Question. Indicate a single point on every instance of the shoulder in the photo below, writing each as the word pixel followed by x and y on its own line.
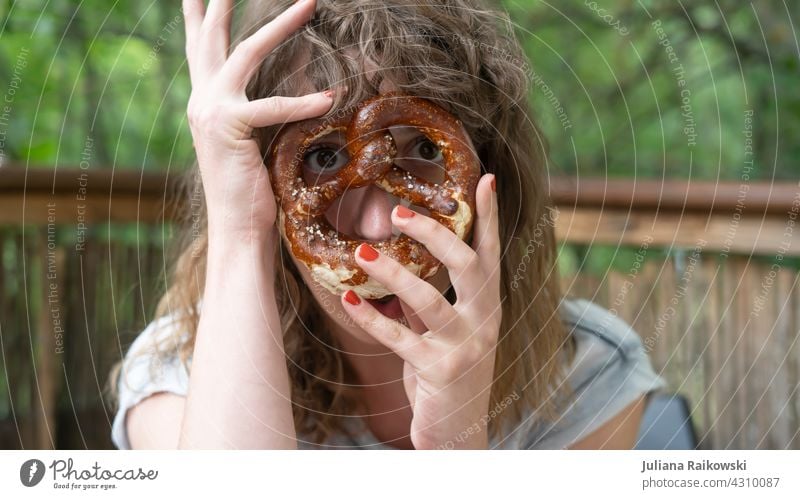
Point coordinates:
pixel 610 370
pixel 601 338
pixel 151 365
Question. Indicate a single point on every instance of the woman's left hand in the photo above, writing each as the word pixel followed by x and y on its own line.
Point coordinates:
pixel 449 369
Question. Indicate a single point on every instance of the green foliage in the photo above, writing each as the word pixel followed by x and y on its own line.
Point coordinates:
pixel 622 94
pixel 112 72
pixel 115 71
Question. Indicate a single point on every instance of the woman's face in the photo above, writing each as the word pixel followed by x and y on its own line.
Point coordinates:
pixel 365 213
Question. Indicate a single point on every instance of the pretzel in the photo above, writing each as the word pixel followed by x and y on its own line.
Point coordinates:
pixel 329 255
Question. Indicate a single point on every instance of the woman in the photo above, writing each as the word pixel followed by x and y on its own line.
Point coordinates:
pixel 485 354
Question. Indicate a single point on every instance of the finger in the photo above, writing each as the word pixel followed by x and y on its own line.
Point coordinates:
pixel 486 239
pixel 193 13
pixel 215 32
pixel 414 322
pixel 248 54
pixel 461 261
pixel 410 383
pixel 274 110
pixel 217 22
pixel 429 304
pixel 407 344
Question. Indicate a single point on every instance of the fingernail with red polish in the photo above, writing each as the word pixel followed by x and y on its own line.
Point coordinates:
pixel 328 93
pixel 367 252
pixel 352 298
pixel 404 212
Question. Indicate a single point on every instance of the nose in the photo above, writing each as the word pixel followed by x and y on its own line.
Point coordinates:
pixel 365 213
pixel 373 219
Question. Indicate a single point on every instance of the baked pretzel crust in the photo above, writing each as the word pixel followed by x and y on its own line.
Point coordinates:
pixel 328 254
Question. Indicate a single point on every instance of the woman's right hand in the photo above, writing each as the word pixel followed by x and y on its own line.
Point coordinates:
pixel 238 194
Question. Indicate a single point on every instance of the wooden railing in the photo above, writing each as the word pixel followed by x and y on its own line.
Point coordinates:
pixel 745 218
pixel 711 296
pixel 748 218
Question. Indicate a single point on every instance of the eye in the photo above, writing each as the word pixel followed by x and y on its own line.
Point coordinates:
pixel 425 149
pixel 325 158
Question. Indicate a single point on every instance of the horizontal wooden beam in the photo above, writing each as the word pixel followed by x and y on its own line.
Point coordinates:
pixel 749 218
pixel 683 196
pixel 713 233
pixel 748 198
pixel 94 181
pixel 66 196
pixel 41 209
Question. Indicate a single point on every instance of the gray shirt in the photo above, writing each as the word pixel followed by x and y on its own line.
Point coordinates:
pixel 610 371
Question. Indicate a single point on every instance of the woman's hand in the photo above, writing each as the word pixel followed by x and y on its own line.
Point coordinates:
pixel 448 369
pixel 238 193
pixel 250 406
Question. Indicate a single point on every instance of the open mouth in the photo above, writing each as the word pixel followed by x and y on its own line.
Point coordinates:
pixel 385 299
pixel 389 306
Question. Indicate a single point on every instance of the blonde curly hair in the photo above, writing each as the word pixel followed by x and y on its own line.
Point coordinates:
pixel 462 55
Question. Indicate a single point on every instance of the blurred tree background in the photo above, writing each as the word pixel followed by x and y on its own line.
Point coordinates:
pixel 605 77
pixel 610 66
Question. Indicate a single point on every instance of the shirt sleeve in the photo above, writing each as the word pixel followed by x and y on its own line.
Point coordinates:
pixel 146 373
pixel 611 370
